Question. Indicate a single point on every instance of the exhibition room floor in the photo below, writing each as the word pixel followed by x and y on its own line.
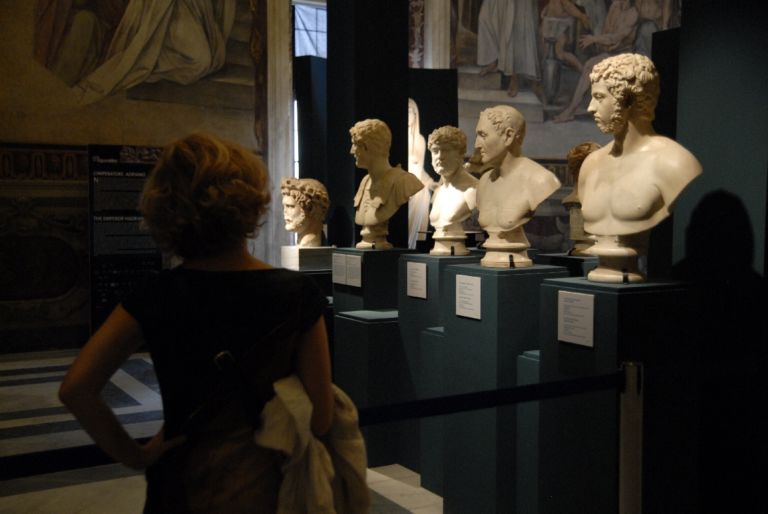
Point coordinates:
pixel 33 420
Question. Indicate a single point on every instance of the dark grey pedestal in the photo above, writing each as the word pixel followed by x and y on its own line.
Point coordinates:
pixel 431 383
pixel 378 281
pixel 482 355
pixel 527 447
pixel 370 365
pixel 577 265
pixel 323 279
pixel 416 314
pixel 648 323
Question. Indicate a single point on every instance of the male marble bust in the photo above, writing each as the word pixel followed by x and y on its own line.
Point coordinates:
pixel 305 204
pixel 509 193
pixel 384 189
pixel 630 185
pixel 455 195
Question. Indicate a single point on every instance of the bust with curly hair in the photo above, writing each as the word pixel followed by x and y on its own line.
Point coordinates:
pixel 305 204
pixel 628 186
pixel 454 198
pixel 384 189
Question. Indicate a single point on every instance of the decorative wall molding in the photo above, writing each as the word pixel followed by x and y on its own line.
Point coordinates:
pixel 44 285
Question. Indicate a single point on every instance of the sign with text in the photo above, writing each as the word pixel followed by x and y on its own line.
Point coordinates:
pixel 416 279
pixel 576 318
pixel 468 297
pixel 347 269
pixel 121 253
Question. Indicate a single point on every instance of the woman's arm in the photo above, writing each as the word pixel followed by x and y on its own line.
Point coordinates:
pixel 106 350
pixel 314 371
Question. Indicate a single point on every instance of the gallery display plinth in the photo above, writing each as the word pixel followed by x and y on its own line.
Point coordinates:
pixel 430 383
pixel 365 279
pixel 491 317
pixel 577 265
pixel 370 365
pixel 588 329
pixel 306 258
pixel 420 295
pixel 527 444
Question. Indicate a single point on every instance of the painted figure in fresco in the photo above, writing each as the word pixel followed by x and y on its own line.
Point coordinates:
pixel 176 40
pixel 384 189
pixel 558 19
pixel 72 36
pixel 654 15
pixel 507 41
pixel 630 185
pixel 455 196
pixel 305 204
pixel 508 195
pixel 617 35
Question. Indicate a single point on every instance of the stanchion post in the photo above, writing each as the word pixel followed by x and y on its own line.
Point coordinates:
pixel 631 440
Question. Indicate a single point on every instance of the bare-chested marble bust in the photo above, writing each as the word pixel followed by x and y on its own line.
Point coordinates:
pixel 509 193
pixel 305 204
pixel 384 189
pixel 455 196
pixel 630 185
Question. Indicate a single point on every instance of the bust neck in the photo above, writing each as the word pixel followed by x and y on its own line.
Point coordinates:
pixel 378 168
pixel 632 137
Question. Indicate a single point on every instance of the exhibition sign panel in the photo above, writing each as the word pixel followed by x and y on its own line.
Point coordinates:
pixel 121 252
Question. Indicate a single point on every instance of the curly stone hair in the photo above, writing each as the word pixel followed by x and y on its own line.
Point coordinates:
pixel 448 136
pixel 631 78
pixel 310 194
pixel 204 196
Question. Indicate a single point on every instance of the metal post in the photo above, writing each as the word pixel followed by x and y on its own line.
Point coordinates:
pixel 631 440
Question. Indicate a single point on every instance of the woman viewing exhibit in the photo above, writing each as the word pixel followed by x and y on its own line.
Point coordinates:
pixel 220 328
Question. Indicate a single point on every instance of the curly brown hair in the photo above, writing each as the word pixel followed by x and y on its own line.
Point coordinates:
pixel 204 196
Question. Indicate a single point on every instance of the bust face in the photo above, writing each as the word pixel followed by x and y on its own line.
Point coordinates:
pixel 361 153
pixel 294 216
pixel 609 115
pixel 446 160
pixel 489 142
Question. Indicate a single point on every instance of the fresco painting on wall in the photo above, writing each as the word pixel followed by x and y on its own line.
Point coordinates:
pixel 85 72
pixel 144 57
pixel 536 56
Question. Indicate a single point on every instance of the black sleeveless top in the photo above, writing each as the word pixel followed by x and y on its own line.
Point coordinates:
pixel 189 316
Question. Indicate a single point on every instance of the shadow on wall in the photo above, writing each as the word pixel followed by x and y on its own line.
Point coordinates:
pixel 731 354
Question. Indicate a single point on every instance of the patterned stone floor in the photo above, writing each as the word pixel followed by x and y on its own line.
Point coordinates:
pixel 32 420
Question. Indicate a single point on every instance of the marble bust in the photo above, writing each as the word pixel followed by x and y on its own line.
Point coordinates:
pixel 630 185
pixel 305 204
pixel 509 193
pixel 455 195
pixel 581 240
pixel 384 189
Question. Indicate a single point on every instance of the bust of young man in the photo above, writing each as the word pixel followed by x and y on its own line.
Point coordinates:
pixel 509 193
pixel 455 196
pixel 628 186
pixel 384 189
pixel 305 204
